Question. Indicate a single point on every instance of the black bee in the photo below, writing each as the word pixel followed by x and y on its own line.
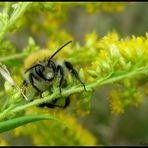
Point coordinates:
pixel 41 71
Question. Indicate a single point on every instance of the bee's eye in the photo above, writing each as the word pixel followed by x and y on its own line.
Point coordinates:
pixel 39 70
pixel 52 65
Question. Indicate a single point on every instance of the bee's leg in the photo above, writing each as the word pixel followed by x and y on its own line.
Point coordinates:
pixel 50 105
pixel 61 70
pixel 23 85
pixel 67 102
pixel 52 65
pixel 31 76
pixel 74 72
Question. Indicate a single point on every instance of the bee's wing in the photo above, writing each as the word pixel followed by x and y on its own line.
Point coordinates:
pixel 5 73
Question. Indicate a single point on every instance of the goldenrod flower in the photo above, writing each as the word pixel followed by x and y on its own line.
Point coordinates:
pixel 138 98
pixel 116 104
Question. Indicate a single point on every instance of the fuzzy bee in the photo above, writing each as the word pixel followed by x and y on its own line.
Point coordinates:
pixel 41 71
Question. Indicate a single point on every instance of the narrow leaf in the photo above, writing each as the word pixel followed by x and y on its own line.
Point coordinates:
pixel 16 122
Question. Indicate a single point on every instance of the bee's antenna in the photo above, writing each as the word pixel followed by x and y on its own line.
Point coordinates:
pixel 59 49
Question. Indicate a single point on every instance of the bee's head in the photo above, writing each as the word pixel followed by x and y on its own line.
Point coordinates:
pixel 41 56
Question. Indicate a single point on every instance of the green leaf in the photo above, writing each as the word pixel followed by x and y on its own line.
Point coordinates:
pixel 16 122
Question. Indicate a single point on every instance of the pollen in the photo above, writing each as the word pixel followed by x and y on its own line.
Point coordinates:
pixel 36 57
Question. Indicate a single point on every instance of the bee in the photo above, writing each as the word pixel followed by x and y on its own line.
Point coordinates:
pixel 41 71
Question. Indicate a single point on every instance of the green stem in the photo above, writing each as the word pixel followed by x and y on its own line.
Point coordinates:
pixel 78 89
pixel 15 56
pixel 7 7
pixel 14 17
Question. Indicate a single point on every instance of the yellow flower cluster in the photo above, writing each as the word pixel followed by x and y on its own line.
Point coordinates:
pixel 116 104
pixel 137 98
pixel 56 133
pixel 105 6
pixel 81 133
pixel 121 54
pixel 3 142
pixel 121 99
pixel 91 39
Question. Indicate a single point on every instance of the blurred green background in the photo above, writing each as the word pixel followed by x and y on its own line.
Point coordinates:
pixel 131 127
